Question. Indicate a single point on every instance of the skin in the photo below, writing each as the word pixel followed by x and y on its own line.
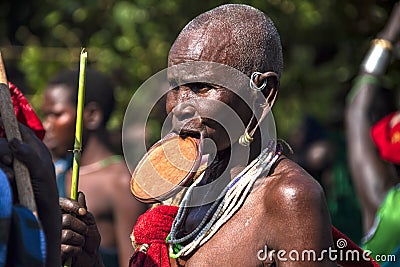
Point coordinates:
pixel 107 190
pixel 79 236
pixel 286 210
pixel 58 121
pixel 107 193
pixel 372 176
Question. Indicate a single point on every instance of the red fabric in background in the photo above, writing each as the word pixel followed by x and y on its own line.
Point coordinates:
pixel 348 245
pixel 387 139
pixel 24 112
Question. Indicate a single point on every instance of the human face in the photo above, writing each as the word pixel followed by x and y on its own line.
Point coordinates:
pixel 59 120
pixel 199 107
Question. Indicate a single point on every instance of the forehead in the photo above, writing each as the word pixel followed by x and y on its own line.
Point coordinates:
pixel 58 94
pixel 206 43
pixel 204 54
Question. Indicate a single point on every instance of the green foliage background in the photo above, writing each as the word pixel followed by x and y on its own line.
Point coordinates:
pixel 324 43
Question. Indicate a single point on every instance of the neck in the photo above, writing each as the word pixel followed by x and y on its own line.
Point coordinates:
pixel 229 162
pixel 94 151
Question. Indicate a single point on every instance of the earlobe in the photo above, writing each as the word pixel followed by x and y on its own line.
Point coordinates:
pixel 271 90
pixel 270 94
pixel 267 83
pixel 93 116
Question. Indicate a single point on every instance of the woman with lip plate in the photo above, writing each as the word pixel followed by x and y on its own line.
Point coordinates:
pixel 256 201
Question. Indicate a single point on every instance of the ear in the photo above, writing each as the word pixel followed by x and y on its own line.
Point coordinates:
pixel 268 83
pixel 93 116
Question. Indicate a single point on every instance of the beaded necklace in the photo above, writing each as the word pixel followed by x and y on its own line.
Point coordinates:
pixel 228 202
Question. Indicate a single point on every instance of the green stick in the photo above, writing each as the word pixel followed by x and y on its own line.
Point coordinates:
pixel 78 132
pixel 78 129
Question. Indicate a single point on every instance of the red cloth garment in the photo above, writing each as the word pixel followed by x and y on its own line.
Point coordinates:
pixel 24 112
pixel 387 139
pixel 342 242
pixel 152 228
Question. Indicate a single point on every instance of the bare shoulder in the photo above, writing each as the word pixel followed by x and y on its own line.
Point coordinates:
pixel 290 188
pixel 294 206
pixel 119 174
pixel 120 168
pixel 120 187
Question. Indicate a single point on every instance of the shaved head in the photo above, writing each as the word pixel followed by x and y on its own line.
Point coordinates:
pixel 236 35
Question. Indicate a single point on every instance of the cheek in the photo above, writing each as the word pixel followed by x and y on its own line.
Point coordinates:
pixel 65 126
pixel 170 102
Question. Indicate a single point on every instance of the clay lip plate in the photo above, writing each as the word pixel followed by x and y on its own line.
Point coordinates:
pixel 166 168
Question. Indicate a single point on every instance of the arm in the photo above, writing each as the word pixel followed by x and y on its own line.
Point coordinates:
pixel 126 210
pixel 300 219
pixel 372 176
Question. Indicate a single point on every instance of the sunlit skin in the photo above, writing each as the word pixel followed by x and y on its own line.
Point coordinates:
pixel 285 211
pixel 58 121
pixel 192 115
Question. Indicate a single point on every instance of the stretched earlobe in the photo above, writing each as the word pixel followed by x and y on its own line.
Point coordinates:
pixel 267 83
pixel 272 93
pixel 259 81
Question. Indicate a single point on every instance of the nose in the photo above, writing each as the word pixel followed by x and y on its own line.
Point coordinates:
pixel 184 111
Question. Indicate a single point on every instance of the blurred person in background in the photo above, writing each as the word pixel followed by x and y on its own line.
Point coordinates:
pixel 374 148
pixel 103 177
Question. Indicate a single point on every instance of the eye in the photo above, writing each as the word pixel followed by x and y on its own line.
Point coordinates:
pixel 200 88
pixel 52 114
pixel 173 86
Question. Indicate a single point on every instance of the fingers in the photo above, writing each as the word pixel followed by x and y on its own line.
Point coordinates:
pixel 88 219
pixel 69 237
pixel 73 223
pixel 68 251
pixel 73 236
pixel 80 235
pixel 78 208
pixel 72 206
pixel 82 200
